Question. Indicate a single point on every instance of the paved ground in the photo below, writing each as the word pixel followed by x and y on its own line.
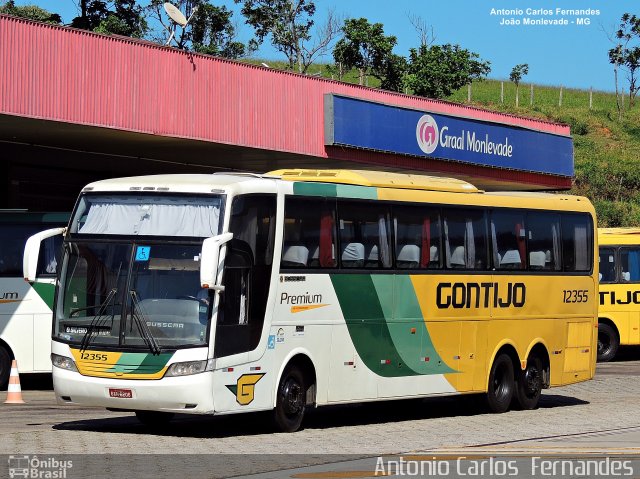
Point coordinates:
pixel 596 417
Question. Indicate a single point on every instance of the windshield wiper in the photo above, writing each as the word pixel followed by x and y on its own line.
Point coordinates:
pixel 138 316
pixel 98 320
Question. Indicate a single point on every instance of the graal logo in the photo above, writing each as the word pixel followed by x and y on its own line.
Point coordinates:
pixel 50 467
pixel 427 134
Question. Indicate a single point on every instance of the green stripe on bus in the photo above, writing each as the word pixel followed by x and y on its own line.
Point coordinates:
pixel 367 326
pixel 140 363
pixel 331 190
pixel 407 328
pixel 46 291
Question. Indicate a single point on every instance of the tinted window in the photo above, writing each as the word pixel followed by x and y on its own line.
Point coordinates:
pixel 577 242
pixel 465 239
pixel 629 265
pixel 364 235
pixel 309 233
pixel 417 237
pixel 607 265
pixel 543 241
pixel 508 233
pixel 12 241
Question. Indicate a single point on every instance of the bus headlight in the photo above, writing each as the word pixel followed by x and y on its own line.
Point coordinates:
pixel 63 362
pixel 187 368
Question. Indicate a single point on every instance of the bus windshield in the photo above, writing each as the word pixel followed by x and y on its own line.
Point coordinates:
pixel 132 295
pixel 130 273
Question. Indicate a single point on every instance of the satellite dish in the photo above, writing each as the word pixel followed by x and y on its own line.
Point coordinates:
pixel 175 14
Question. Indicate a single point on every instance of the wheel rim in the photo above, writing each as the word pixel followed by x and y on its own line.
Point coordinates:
pixel 292 403
pixel 532 381
pixel 500 384
pixel 604 344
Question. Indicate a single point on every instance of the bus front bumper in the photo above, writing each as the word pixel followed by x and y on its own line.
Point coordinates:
pixel 191 394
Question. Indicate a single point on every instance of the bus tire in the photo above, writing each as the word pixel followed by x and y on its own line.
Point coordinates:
pixel 608 342
pixel 5 367
pixel 501 384
pixel 154 418
pixel 529 384
pixel 290 400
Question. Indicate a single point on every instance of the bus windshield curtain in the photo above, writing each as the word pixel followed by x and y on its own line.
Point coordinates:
pixel 154 219
pixel 425 249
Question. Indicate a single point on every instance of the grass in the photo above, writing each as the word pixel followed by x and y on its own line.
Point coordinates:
pixel 606 149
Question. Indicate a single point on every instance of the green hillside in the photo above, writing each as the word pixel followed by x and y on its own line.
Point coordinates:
pixel 607 150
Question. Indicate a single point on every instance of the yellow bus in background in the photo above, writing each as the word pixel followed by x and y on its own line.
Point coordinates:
pixel 619 314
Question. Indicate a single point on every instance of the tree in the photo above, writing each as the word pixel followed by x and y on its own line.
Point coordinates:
pixel 210 30
pixel 516 76
pixel 120 17
pixel 366 48
pixel 626 54
pixel 30 12
pixel 436 71
pixel 289 24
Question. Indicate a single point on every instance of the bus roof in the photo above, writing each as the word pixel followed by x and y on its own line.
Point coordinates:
pixel 618 236
pixel 380 179
pixel 618 231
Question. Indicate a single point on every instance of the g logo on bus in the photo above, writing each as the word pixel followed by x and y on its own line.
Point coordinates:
pixel 244 388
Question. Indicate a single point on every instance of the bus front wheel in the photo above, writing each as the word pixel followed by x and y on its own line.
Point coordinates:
pixel 501 384
pixel 290 400
pixel 5 367
pixel 608 342
pixel 529 384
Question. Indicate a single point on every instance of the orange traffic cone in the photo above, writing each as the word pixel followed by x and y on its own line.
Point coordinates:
pixel 14 391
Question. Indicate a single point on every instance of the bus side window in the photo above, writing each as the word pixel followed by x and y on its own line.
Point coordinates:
pixel 465 238
pixel 607 265
pixel 629 265
pixel 508 239
pixel 309 233
pixel 417 237
pixel 543 241
pixel 365 235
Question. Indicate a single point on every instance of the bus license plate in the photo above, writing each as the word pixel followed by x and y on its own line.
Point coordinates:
pixel 121 393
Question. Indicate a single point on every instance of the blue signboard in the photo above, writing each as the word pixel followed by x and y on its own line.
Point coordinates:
pixel 363 124
pixel 142 253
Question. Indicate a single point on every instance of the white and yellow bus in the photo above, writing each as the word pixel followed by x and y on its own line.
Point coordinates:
pixel 25 310
pixel 226 293
pixel 619 313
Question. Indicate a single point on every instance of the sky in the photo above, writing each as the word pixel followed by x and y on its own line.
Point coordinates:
pixel 573 55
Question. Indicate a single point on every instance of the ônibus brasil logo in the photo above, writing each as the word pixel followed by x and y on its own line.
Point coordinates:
pixel 427 134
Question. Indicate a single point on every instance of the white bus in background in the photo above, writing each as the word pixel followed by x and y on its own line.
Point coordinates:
pixel 25 310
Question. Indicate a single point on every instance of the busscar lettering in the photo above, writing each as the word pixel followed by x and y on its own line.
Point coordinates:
pixel 305 298
pixel 480 295
pixel 609 297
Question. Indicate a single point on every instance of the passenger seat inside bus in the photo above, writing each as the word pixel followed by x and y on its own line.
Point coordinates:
pixel 511 260
pixel 457 258
pixel 408 256
pixel 353 255
pixel 537 259
pixel 295 255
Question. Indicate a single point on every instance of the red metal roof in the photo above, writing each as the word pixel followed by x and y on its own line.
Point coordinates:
pixel 63 74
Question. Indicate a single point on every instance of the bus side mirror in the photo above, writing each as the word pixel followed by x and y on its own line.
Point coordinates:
pixel 210 259
pixel 32 251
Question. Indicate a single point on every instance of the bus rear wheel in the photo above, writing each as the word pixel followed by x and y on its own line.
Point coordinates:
pixel 501 384
pixel 5 367
pixel 290 400
pixel 608 342
pixel 154 418
pixel 529 384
